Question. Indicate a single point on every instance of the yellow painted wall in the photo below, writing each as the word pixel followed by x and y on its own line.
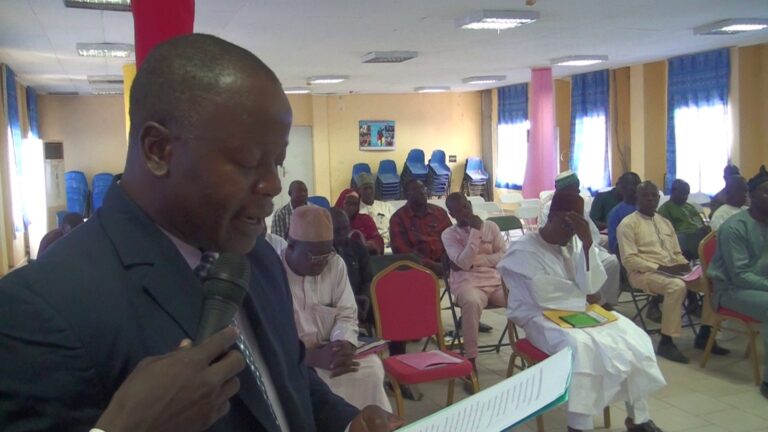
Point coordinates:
pixel 752 101
pixel 92 129
pixel 449 121
pixel 655 109
pixel 302 109
pixel 620 122
pixel 563 121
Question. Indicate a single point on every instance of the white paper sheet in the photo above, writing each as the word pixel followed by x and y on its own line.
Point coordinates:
pixel 506 403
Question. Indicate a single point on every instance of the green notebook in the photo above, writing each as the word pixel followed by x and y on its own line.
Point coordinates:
pixel 580 320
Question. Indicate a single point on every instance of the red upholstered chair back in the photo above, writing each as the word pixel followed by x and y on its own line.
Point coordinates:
pixel 707 249
pixel 406 303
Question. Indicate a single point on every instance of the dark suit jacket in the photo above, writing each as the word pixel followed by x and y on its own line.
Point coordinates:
pixel 76 322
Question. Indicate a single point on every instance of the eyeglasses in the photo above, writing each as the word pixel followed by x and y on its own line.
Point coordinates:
pixel 319 259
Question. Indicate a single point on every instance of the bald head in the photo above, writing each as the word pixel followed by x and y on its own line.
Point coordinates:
pixel 209 127
pixel 181 77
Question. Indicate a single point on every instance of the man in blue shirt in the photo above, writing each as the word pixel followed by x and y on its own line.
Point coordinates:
pixel 627 185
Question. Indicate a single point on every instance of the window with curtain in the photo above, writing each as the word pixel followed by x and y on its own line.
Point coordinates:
pixel 699 135
pixel 590 158
pixel 512 136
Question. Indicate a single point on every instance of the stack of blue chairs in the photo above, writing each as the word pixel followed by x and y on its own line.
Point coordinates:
pixel 475 182
pixel 100 185
pixel 358 169
pixel 77 192
pixel 439 177
pixel 387 181
pixel 414 167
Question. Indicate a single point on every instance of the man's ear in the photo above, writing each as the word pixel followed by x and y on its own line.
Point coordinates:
pixel 156 149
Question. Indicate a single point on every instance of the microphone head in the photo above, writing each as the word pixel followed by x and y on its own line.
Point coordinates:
pixel 228 278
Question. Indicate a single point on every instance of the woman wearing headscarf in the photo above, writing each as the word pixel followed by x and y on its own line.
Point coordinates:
pixel 349 201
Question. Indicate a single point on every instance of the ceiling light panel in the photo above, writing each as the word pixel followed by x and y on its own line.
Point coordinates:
pixel 389 56
pixel 105 79
pixel 432 89
pixel 732 26
pixel 496 19
pixel 326 79
pixel 108 5
pixel 484 79
pixel 103 91
pixel 296 90
pixel 579 60
pixel 118 50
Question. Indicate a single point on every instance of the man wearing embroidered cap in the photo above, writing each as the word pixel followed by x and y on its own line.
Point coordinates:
pixel 739 268
pixel 557 268
pixel 325 311
pixel 568 181
pixel 380 211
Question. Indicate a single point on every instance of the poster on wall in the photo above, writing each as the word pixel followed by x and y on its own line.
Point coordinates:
pixel 377 135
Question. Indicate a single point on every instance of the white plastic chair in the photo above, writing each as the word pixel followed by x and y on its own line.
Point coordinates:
pixel 476 199
pixel 511 198
pixel 529 215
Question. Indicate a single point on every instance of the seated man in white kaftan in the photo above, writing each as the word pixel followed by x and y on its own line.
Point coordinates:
pixel 558 268
pixel 325 311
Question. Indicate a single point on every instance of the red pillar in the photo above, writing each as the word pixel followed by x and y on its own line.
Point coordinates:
pixel 155 21
pixel 541 169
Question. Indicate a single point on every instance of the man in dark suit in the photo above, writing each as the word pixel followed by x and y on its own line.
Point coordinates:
pixel 90 333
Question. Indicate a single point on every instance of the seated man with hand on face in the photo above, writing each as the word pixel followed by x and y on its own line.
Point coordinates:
pixel 474 248
pixel 557 268
pixel 651 254
pixel 325 311
pixel 569 182
pixel 685 219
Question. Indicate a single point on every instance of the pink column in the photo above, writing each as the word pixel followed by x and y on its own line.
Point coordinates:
pixel 157 21
pixel 541 169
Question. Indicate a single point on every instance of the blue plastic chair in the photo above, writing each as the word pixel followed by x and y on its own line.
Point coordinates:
pixel 476 169
pixel 414 162
pixel 319 201
pixel 358 169
pixel 437 163
pixel 387 181
pixel 100 185
pixel 77 192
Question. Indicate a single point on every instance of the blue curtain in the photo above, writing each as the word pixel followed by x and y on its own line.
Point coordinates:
pixel 589 98
pixel 12 107
pixel 513 108
pixel 32 112
pixel 694 80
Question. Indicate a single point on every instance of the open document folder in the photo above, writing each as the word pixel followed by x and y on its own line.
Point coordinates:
pixel 507 404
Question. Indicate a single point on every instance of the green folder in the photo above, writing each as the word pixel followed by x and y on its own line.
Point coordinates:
pixel 580 320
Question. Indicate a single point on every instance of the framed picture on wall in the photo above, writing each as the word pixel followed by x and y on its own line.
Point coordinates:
pixel 377 135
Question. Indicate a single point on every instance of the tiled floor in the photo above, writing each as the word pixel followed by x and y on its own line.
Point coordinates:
pixel 720 398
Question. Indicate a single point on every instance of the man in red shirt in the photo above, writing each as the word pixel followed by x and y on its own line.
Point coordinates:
pixel 417 226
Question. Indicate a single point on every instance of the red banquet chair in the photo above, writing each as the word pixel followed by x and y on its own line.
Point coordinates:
pixel 406 307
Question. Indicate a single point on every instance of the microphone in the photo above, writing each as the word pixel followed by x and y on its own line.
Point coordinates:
pixel 224 289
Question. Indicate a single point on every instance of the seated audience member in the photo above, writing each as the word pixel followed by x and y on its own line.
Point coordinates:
pixel 416 227
pixel 685 219
pixel 649 246
pixel 361 224
pixel 325 312
pixel 68 223
pixel 281 221
pixel 355 257
pixel 735 198
pixel 380 211
pixel 739 269
pixel 627 184
pixel 558 268
pixel 719 198
pixel 569 182
pixel 474 248
pixel 602 205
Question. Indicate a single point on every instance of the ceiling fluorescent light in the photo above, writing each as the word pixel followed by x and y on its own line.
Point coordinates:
pixel 105 79
pixel 389 56
pixel 108 5
pixel 326 79
pixel 296 90
pixel 120 50
pixel 732 26
pixel 496 19
pixel 579 60
pixel 107 91
pixel 432 89
pixel 487 79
